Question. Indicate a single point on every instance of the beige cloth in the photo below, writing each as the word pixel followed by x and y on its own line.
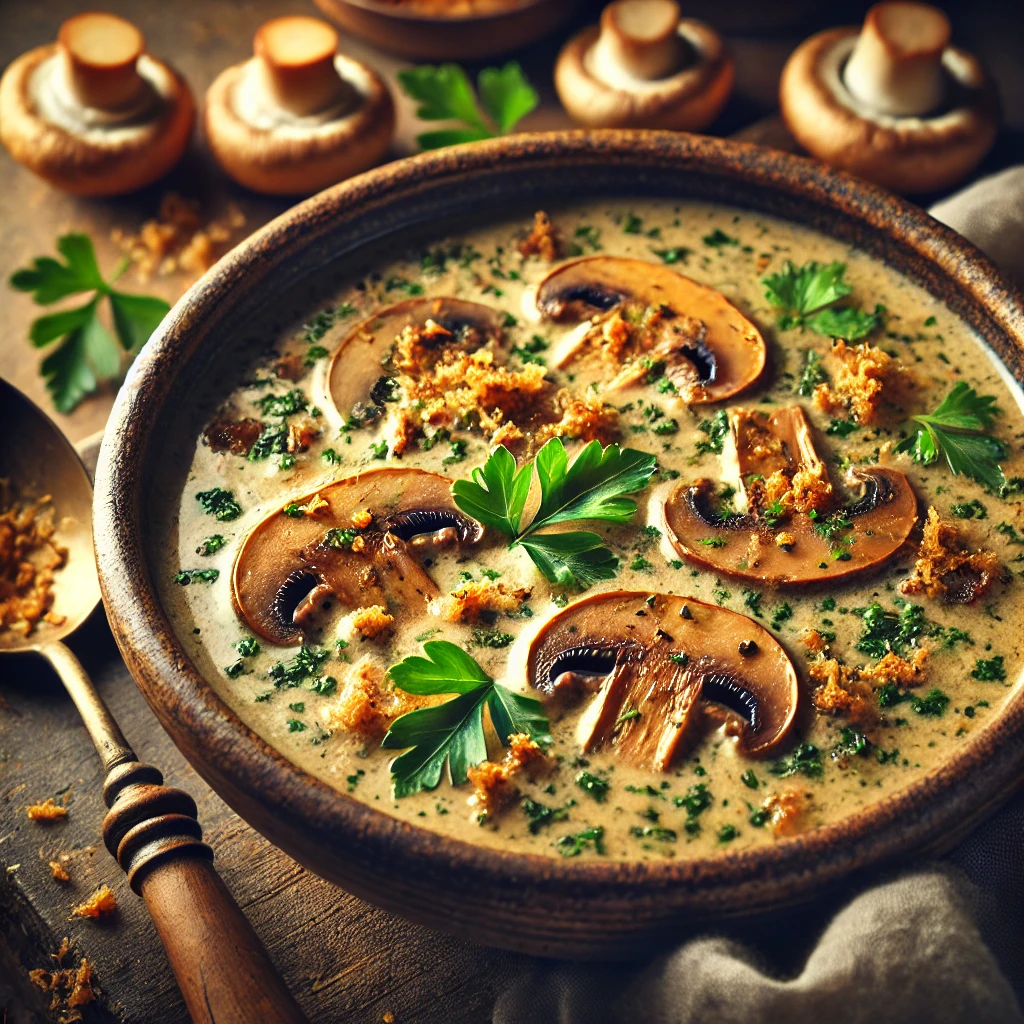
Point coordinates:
pixel 944 943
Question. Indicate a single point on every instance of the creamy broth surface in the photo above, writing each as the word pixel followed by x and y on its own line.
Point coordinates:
pixel 644 814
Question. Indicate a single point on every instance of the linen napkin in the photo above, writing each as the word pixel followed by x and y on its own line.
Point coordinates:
pixel 941 943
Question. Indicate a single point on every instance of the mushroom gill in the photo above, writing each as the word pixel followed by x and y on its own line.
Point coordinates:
pixel 792 527
pixel 293 561
pixel 656 662
pixel 644 315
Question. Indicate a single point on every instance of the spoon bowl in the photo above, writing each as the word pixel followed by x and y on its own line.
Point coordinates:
pixel 42 462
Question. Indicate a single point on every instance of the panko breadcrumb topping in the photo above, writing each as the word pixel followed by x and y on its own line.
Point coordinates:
pixel 372 621
pixel 29 557
pixel 99 904
pixel 788 811
pixel 863 374
pixel 849 691
pixel 492 783
pixel 48 810
pixel 543 239
pixel 471 600
pixel 947 568
pixel 365 705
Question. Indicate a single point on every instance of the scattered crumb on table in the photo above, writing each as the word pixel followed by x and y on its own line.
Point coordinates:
pixel 99 904
pixel 48 810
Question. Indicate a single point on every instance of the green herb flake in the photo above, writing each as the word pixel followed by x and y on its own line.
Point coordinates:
pixel 574 845
pixel 220 504
pixel 594 785
pixel 211 545
pixel 989 670
pixel 805 760
pixel 187 576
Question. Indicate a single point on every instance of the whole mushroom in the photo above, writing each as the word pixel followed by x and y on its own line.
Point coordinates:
pixel 891 101
pixel 93 113
pixel 645 66
pixel 297 116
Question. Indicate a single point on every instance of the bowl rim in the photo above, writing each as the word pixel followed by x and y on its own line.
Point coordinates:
pixel 233 757
pixel 385 11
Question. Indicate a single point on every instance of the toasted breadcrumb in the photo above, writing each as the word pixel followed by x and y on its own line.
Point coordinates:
pixel 29 557
pixel 471 599
pixel 788 810
pixel 176 239
pixel 543 239
pixel 48 810
pixel 99 904
pixel 945 566
pixel 813 641
pixel 785 540
pixel 840 691
pixel 372 621
pixel 362 519
pixel 894 669
pixel 315 506
pixel 301 435
pixel 864 373
pixel 59 872
pixel 584 417
pixel 364 704
pixel 492 783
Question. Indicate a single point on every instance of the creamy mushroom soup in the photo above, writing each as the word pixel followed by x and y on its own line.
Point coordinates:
pixel 613 534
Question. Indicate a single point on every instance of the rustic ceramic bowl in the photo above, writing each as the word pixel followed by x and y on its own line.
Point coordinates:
pixel 583 907
pixel 409 33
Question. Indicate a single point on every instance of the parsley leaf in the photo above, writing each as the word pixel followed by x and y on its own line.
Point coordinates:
pixel 592 487
pixel 444 93
pixel 87 352
pixel 449 738
pixel 957 430
pixel 803 293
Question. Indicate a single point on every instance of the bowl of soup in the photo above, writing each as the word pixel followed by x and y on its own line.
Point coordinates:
pixel 563 539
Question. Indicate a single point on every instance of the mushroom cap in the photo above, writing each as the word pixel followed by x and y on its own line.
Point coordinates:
pixel 79 149
pixel 688 100
pixel 606 632
pixel 740 547
pixel 271 151
pixel 903 153
pixel 577 290
pixel 283 559
pixel 358 362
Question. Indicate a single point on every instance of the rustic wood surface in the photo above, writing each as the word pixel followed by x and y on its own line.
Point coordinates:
pixel 342 959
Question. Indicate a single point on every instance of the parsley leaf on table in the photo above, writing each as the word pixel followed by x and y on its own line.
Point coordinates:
pixel 450 738
pixel 957 430
pixel 88 352
pixel 806 294
pixel 444 93
pixel 592 487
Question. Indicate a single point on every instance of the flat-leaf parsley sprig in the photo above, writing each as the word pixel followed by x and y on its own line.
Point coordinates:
pixel 87 352
pixel 806 294
pixel 444 93
pixel 594 486
pixel 450 738
pixel 958 430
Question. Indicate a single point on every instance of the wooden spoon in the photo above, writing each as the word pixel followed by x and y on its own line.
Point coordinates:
pixel 225 974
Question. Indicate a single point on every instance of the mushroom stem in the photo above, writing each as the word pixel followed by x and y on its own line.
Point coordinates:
pixel 99 54
pixel 896 64
pixel 641 37
pixel 295 57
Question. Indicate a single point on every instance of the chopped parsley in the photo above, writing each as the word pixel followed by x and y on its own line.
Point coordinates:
pixel 220 504
pixel 491 638
pixel 574 845
pixel 306 664
pixel 716 429
pixel 989 670
pixel 539 815
pixel 187 576
pixel 593 784
pixel 805 760
pixel 211 545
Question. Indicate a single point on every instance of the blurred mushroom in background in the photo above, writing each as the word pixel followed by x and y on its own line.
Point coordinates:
pixel 93 113
pixel 892 101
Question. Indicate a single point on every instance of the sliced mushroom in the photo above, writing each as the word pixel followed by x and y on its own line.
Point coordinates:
pixel 658 661
pixel 363 358
pixel 892 101
pixel 288 566
pixel 806 538
pixel 708 349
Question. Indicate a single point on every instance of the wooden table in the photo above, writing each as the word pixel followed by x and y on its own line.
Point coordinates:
pixel 342 959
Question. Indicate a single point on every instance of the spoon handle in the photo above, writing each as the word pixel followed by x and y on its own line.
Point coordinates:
pixel 222 969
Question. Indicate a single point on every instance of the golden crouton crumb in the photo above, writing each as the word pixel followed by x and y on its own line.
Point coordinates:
pixel 840 691
pixel 362 519
pixel 29 557
pixel 59 872
pixel 372 620
pixel 388 1018
pixel 470 600
pixel 301 435
pixel 584 417
pixel 788 491
pixel 945 567
pixel 543 240
pixel 315 506
pixel 864 372
pixel 48 810
pixel 813 640
pixel 364 704
pixel 492 783
pixel 99 904
pixel 788 810
pixel 894 669
pixel 785 540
